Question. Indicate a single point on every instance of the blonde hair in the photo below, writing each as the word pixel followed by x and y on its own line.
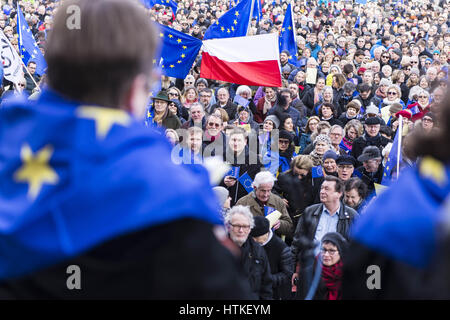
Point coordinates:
pixel 302 162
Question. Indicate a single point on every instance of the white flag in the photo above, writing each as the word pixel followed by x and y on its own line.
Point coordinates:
pixel 12 67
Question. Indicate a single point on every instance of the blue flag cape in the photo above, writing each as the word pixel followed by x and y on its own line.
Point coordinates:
pixel 405 230
pixel 107 186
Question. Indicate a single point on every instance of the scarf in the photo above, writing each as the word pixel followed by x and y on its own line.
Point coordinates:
pixel 268 104
pixel 332 277
pixel 316 159
pixel 380 94
pixel 347 144
pixel 387 102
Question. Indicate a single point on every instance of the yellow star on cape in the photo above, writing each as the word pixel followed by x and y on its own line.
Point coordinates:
pixel 161 34
pixel 184 47
pixel 104 118
pixel 236 13
pixel 235 22
pixel 170 36
pixel 283 30
pixel 434 169
pixel 222 28
pixel 179 40
pixel 35 169
pixel 183 55
pixel 172 66
pixel 289 28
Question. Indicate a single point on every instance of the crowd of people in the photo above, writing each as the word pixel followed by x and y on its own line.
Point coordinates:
pixel 315 149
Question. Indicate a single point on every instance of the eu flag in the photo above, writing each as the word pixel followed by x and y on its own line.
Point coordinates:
pixel 234 172
pixel 361 1
pixel 28 47
pixel 287 36
pixel 391 163
pixel 358 22
pixel 246 182
pixel 257 11
pixel 50 211
pixel 234 22
pixel 178 52
pixel 168 3
pixel 317 172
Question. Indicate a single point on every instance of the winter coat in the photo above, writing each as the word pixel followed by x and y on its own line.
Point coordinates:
pixel 256 266
pixel 360 143
pixel 275 202
pixel 311 217
pixel 281 265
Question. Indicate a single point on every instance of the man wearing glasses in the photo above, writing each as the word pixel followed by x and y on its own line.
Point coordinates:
pixel 239 222
pixel 205 99
pixel 214 140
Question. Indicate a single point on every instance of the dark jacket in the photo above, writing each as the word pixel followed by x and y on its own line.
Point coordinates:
pixel 171 122
pixel 248 162
pixel 230 108
pixel 312 215
pixel 30 84
pixel 360 143
pixel 370 179
pixel 298 193
pixel 256 266
pixel 281 266
pixel 176 260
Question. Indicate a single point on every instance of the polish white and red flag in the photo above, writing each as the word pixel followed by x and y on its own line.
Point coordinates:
pixel 250 60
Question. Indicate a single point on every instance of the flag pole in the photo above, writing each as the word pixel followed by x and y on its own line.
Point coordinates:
pixel 399 148
pixel 32 78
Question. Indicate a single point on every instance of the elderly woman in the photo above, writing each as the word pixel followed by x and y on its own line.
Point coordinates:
pixel 394 95
pixel 352 130
pixel 327 96
pixel 355 193
pixel 421 107
pixel 246 93
pixel 332 251
pixel 322 144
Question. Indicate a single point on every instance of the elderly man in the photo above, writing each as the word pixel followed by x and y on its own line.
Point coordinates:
pixel 223 101
pixel 262 202
pixel 372 168
pixel 331 215
pixel 371 137
pixel 239 222
pixel 196 117
pixel 336 134
pixel 214 140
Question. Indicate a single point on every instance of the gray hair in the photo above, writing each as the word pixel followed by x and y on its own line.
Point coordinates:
pixel 263 177
pixel 243 88
pixel 197 104
pixel 242 210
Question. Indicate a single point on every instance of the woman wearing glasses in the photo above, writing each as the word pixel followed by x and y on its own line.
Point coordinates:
pixel 393 93
pixel 332 251
pixel 421 107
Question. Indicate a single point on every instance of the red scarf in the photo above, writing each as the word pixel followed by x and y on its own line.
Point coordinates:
pixel 332 277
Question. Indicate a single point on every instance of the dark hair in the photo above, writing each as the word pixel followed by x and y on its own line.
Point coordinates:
pixel 359 52
pixel 97 63
pixel 328 105
pixel 387 131
pixel 339 186
pixel 364 87
pixel 348 68
pixel 358 185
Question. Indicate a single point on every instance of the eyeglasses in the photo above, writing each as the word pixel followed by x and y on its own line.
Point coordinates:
pixel 336 60
pixel 173 94
pixel 408 69
pixel 415 62
pixel 212 124
pixel 423 97
pixel 189 83
pixel 237 227
pixel 393 93
pixel 428 63
pixel 330 252
pixel 21 85
pixel 335 134
pixel 427 120
pixel 387 57
pixel 283 141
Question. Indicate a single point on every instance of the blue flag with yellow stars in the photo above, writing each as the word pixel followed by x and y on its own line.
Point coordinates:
pixel 85 179
pixel 402 223
pixel 178 52
pixel 287 36
pixel 246 182
pixel 29 50
pixel 168 3
pixel 234 22
pixel 257 11
pixel 391 162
